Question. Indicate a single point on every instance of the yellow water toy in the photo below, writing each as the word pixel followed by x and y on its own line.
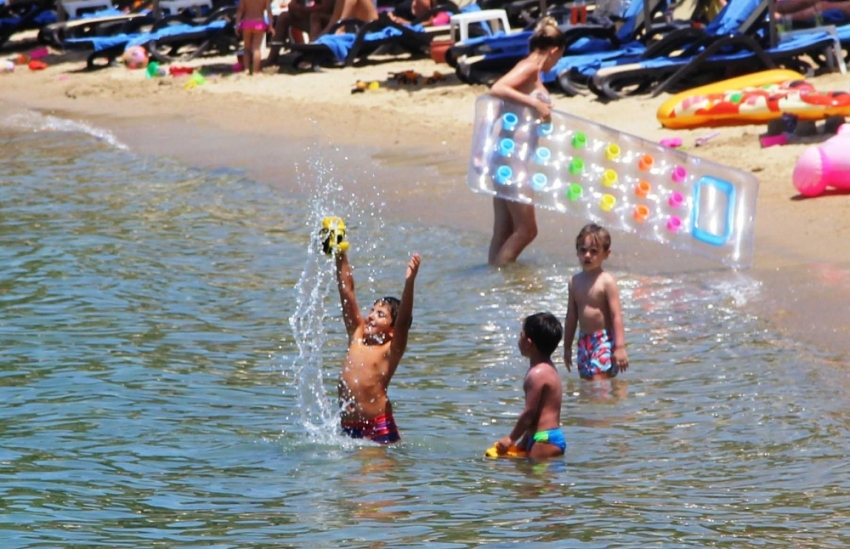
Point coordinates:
pixel 511 452
pixel 332 236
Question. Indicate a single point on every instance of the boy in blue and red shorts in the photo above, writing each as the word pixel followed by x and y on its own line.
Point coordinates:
pixel 594 308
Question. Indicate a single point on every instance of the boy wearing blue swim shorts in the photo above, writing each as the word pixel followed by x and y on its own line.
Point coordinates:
pixel 594 308
pixel 538 428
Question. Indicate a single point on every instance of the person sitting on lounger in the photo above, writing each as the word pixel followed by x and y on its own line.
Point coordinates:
pixel 812 12
pixel 299 16
pixel 364 10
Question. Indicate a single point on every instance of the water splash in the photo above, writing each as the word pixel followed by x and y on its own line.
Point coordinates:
pixel 328 196
pixel 319 414
pixel 36 122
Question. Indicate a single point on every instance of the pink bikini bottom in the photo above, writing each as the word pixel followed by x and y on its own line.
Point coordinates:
pixel 254 25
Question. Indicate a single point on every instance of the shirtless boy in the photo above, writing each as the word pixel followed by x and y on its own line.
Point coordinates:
pixel 538 428
pixel 375 347
pixel 594 307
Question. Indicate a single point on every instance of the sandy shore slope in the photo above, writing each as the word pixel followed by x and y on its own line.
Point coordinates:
pixel 802 245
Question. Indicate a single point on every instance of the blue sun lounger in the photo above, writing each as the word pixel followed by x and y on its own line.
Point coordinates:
pixel 738 18
pixel 711 59
pixel 22 16
pixel 498 54
pixel 360 41
pixel 161 43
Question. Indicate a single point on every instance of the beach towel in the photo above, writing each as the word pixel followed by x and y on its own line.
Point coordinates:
pixel 175 30
pixel 341 44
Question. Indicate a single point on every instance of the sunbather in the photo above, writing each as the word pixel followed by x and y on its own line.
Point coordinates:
pixel 811 12
pixel 364 10
pixel 299 17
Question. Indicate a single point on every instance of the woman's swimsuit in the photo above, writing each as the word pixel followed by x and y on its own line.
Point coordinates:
pixel 382 429
pixel 594 355
pixel 554 437
pixel 258 25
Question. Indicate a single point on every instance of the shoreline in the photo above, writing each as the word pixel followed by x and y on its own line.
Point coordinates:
pixel 417 140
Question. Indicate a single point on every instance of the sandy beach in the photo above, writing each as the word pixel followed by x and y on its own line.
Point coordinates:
pixel 417 140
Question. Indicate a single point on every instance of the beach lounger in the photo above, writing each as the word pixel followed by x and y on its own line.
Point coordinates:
pixel 361 40
pixel 484 59
pixel 166 40
pixel 709 60
pixel 101 23
pixel 22 15
pixel 739 17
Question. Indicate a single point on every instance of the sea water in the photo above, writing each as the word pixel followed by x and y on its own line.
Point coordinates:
pixel 169 346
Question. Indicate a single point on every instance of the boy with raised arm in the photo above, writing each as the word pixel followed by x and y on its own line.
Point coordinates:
pixel 594 308
pixel 538 428
pixel 375 347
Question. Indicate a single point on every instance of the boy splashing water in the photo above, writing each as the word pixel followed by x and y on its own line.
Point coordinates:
pixel 375 347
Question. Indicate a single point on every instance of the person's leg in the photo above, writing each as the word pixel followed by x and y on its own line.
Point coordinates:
pixel 544 450
pixel 503 227
pixel 281 33
pixel 318 21
pixel 525 231
pixel 299 23
pixel 792 6
pixel 256 53
pixel 248 47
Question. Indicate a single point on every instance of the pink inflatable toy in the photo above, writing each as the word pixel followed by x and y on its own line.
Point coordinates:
pixel 825 165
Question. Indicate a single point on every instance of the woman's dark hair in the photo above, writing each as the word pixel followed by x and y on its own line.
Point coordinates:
pixel 547 35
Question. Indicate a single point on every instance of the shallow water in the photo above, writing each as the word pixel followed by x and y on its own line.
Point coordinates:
pixel 155 392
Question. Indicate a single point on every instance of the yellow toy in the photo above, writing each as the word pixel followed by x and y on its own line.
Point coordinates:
pixel 332 236
pixel 512 452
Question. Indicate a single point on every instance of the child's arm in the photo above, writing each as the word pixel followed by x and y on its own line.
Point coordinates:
pixel 570 325
pixel 345 282
pixel 240 14
pixel 533 398
pixel 405 314
pixel 621 359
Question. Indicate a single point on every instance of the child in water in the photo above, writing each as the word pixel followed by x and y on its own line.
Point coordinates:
pixel 252 24
pixel 514 224
pixel 594 307
pixel 375 347
pixel 538 429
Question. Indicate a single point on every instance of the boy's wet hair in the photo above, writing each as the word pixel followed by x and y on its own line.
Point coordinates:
pixel 597 234
pixel 547 35
pixel 393 303
pixel 544 330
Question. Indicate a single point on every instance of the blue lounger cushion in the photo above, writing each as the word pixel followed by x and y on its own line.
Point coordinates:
pixel 99 43
pixel 341 44
pixel 43 18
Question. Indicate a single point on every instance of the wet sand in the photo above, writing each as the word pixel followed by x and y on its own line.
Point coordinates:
pixel 410 146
